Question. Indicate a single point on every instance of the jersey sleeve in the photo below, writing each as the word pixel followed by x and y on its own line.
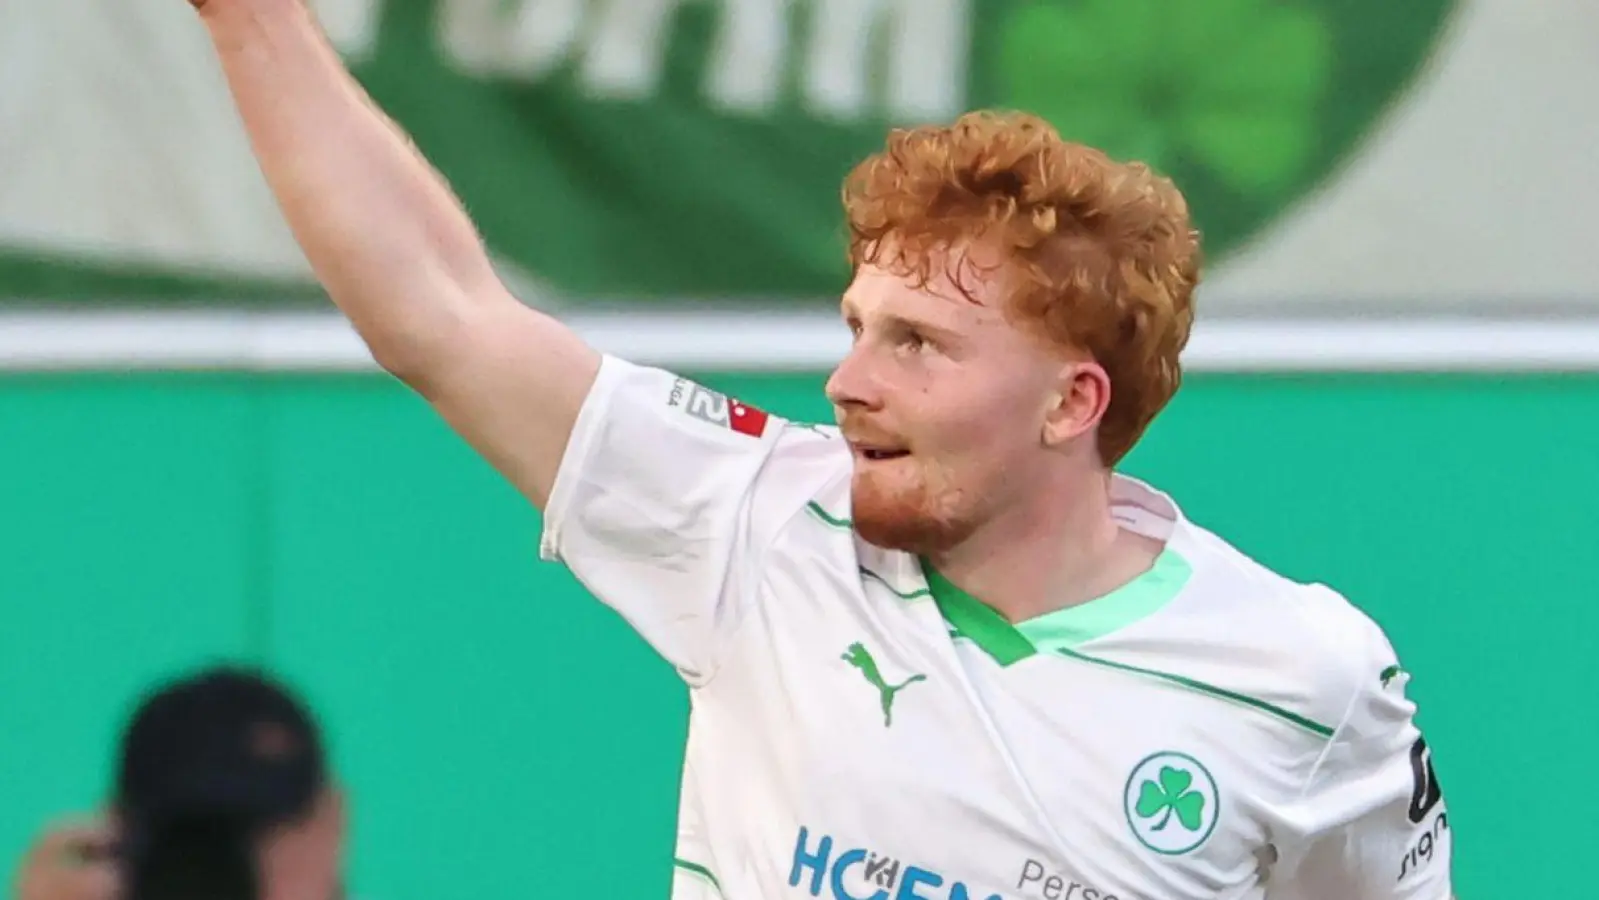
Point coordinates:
pixel 1371 823
pixel 657 507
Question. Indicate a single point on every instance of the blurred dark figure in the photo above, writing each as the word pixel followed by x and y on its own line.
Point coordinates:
pixel 222 793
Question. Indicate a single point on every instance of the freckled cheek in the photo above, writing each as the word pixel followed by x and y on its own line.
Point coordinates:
pixel 940 442
pixel 979 431
pixel 953 416
pixel 953 461
pixel 984 452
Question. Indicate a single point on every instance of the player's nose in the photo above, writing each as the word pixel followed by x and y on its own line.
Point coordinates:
pixel 853 385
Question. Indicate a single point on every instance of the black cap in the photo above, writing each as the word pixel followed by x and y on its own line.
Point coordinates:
pixel 225 744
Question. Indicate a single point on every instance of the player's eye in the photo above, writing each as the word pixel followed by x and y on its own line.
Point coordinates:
pixel 914 341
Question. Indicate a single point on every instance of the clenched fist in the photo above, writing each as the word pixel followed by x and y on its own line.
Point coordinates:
pixel 72 861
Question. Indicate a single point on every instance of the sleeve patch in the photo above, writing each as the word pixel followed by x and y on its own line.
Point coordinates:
pixel 716 408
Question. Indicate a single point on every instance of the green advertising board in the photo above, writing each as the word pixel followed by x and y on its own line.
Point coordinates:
pixel 664 150
pixel 502 733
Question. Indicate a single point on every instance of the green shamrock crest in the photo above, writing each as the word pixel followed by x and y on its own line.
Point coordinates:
pixel 1173 797
pixel 1248 104
pixel 1143 80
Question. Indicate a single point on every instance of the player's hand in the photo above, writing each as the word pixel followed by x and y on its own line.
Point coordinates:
pixel 71 861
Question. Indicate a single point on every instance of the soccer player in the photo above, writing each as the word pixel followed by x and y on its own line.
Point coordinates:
pixel 944 652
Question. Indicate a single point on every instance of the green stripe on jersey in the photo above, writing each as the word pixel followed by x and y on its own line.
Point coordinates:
pixel 1061 631
pixel 820 513
pixel 699 870
pixel 903 595
pixel 1194 684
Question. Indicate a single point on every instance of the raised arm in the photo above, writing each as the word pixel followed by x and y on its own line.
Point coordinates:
pixel 395 249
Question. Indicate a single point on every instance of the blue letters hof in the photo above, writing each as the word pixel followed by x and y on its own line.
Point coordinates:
pixel 820 870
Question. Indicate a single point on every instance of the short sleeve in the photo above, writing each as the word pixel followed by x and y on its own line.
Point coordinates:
pixel 655 508
pixel 1371 823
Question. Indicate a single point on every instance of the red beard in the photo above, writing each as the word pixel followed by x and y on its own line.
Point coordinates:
pixel 894 506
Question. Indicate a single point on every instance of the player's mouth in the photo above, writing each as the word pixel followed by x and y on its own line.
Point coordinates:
pixel 878 453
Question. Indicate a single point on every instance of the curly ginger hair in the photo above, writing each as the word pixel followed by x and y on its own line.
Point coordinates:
pixel 1105 255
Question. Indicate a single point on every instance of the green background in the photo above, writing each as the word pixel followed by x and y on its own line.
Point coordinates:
pixel 502 733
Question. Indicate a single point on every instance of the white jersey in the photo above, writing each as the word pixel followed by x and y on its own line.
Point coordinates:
pixel 863 730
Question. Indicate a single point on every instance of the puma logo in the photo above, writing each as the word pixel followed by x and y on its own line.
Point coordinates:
pixel 858 656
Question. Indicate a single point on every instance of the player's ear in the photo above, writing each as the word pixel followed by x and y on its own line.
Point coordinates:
pixel 1080 397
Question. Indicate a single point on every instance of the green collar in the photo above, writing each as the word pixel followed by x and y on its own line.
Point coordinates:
pixel 1064 628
